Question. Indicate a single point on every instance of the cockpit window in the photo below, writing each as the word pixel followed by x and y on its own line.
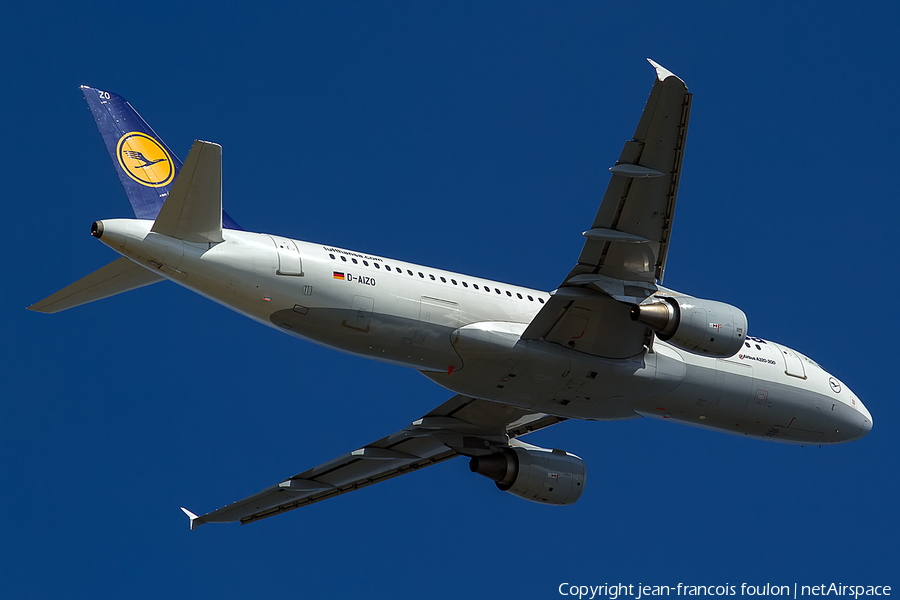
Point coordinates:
pixel 809 360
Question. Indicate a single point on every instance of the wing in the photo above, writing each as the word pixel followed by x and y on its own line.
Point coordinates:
pixel 460 426
pixel 624 255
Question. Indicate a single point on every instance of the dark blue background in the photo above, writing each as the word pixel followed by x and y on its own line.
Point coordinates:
pixel 468 136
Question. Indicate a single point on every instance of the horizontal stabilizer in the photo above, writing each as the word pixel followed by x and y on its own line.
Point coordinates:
pixel 119 276
pixel 193 210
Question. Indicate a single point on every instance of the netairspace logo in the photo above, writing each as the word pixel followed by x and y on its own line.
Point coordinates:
pixel 795 591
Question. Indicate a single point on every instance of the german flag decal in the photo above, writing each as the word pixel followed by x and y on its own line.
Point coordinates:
pixel 338 275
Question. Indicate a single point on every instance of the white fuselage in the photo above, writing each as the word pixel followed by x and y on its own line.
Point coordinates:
pixel 464 333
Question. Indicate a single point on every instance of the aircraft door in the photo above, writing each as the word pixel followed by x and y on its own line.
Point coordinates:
pixel 362 308
pixel 793 366
pixel 288 256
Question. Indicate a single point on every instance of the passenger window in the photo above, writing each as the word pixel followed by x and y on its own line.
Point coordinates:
pixel 377 266
pixel 475 285
pixel 332 256
pixel 432 276
pixel 530 298
pixel 453 281
pixel 519 295
pixel 344 258
pixel 498 290
pixel 443 280
pixel 410 272
pixel 354 261
pixel 466 284
pixel 365 262
pixel 541 300
pixel 420 275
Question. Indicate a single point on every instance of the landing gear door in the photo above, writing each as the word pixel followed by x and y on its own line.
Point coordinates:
pixel 288 257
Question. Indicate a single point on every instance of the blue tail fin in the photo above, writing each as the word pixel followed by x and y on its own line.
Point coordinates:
pixel 145 165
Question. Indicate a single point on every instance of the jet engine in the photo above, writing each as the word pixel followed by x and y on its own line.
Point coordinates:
pixel 704 327
pixel 536 474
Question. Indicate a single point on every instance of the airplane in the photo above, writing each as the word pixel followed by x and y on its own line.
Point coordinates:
pixel 610 343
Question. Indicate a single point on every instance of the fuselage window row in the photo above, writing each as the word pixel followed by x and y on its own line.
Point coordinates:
pixel 432 277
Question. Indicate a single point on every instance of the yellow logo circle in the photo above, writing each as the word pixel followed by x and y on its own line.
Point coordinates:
pixel 145 160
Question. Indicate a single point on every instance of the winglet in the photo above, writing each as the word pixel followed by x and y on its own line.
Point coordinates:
pixel 195 520
pixel 663 73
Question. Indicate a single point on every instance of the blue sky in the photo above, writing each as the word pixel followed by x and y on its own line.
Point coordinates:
pixel 468 136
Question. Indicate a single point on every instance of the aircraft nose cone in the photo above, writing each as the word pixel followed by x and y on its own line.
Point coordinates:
pixel 866 428
pixel 866 420
pixel 850 422
pixel 859 422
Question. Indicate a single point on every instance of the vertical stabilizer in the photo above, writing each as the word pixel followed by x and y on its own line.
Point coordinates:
pixel 144 163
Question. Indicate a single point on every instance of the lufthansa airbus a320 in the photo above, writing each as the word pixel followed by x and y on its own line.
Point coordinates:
pixel 609 343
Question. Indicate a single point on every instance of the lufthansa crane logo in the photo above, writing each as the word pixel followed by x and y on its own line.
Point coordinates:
pixel 145 160
pixel 835 385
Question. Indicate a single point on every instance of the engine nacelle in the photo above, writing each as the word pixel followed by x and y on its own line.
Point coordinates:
pixel 702 326
pixel 536 474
